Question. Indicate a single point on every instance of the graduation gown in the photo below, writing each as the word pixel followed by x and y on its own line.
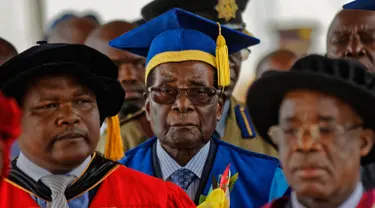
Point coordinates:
pixel 367 201
pixel 260 178
pixel 109 184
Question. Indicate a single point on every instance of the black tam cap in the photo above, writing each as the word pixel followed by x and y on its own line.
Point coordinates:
pixel 86 64
pixel 345 79
pixel 226 12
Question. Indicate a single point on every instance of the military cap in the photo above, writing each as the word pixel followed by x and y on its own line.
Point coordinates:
pixel 226 12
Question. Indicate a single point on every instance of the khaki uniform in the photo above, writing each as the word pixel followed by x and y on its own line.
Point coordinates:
pixel 131 133
pixel 239 130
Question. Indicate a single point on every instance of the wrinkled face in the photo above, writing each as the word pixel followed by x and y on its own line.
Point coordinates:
pixel 352 35
pixel 60 124
pixel 325 161
pixel 183 124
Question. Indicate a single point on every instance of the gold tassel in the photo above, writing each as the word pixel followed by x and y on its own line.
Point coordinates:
pixel 222 60
pixel 114 147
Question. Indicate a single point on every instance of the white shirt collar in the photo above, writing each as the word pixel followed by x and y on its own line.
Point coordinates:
pixel 36 173
pixel 351 202
pixel 168 165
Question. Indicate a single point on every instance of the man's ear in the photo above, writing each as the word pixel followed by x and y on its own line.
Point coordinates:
pixel 220 106
pixel 367 141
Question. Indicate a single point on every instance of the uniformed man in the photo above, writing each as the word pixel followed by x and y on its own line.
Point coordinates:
pixel 320 116
pixel 235 125
pixel 187 68
pixel 135 128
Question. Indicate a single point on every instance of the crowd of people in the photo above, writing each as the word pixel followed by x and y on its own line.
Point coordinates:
pixel 142 114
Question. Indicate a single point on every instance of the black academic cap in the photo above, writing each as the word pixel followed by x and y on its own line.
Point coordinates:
pixel 83 62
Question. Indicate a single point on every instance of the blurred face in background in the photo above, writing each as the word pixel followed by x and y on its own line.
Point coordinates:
pixel 352 35
pixel 131 67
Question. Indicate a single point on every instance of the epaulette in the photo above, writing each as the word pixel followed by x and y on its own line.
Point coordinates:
pixel 132 116
pixel 244 122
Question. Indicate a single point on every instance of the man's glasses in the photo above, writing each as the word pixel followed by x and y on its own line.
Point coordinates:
pixel 317 132
pixel 196 95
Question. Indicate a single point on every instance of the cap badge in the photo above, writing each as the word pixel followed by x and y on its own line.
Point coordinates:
pixel 227 9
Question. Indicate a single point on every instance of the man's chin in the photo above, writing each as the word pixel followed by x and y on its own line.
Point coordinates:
pixel 311 190
pixel 185 137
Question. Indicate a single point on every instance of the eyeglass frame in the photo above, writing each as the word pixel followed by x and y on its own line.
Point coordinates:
pixel 218 92
pixel 339 130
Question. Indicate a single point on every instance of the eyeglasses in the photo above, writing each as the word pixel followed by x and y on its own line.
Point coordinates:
pixel 196 95
pixel 316 132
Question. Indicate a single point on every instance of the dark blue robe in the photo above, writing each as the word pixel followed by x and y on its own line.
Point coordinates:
pixel 260 178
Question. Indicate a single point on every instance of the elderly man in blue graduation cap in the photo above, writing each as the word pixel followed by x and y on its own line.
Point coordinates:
pixel 187 69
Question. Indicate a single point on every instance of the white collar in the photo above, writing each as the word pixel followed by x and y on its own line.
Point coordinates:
pixel 36 172
pixel 168 165
pixel 351 202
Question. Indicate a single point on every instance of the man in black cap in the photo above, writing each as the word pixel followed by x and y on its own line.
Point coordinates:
pixel 235 125
pixel 65 92
pixel 320 117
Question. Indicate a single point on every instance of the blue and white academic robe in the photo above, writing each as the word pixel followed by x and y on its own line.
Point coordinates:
pixel 260 178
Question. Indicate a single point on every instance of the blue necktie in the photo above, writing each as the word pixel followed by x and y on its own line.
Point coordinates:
pixel 183 178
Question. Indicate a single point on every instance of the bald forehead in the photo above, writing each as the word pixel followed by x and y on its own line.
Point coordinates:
pixel 112 30
pixel 73 30
pixel 100 37
pixel 347 19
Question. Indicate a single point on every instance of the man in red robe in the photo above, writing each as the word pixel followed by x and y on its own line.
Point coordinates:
pixel 65 92
pixel 320 117
pixel 9 130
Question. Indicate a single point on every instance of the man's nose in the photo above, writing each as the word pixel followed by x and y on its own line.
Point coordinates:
pixel 307 143
pixel 355 49
pixel 183 103
pixel 67 115
pixel 127 74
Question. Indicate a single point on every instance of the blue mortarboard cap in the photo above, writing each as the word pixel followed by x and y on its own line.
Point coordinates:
pixel 361 4
pixel 178 35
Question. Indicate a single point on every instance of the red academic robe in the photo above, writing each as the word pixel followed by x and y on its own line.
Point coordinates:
pixel 120 187
pixel 367 201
